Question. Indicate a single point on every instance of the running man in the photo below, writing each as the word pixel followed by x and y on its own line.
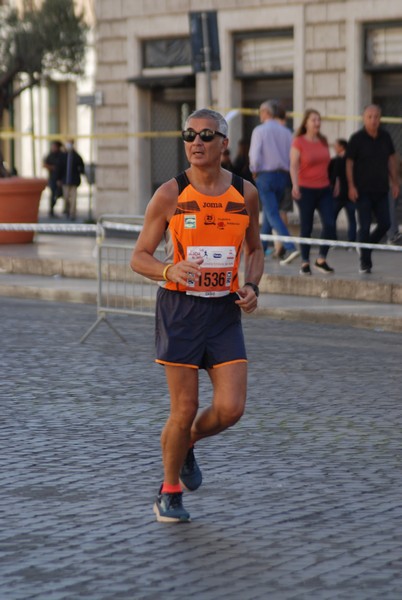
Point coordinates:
pixel 207 216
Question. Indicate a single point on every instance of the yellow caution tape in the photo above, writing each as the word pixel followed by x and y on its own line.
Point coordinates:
pixel 8 134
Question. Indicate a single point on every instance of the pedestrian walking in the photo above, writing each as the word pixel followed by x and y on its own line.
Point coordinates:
pixel 286 202
pixel 207 215
pixel 309 161
pixel 371 164
pixel 339 185
pixel 51 162
pixel 69 170
pixel 269 162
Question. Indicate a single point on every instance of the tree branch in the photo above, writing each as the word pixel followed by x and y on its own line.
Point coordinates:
pixel 31 83
pixel 8 77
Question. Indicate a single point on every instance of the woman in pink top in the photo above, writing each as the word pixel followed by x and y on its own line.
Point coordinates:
pixel 309 160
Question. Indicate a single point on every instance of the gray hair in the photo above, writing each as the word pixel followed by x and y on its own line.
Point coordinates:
pixel 372 106
pixel 207 113
pixel 270 106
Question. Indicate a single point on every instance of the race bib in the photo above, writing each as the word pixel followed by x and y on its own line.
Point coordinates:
pixel 216 270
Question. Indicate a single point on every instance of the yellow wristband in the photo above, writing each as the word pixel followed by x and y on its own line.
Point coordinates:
pixel 165 270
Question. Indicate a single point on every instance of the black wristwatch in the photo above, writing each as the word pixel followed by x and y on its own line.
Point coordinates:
pixel 255 288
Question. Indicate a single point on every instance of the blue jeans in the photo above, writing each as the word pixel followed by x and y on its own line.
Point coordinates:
pixel 313 199
pixel 394 227
pixel 369 203
pixel 265 229
pixel 271 186
pixel 350 208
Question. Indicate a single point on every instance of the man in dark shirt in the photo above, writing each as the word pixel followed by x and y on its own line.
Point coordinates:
pixel 51 163
pixel 69 170
pixel 339 185
pixel 370 165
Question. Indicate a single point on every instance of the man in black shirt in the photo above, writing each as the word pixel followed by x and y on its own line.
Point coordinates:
pixel 69 170
pixel 370 165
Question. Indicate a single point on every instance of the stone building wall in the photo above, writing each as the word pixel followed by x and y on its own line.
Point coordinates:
pixel 325 63
pixel 112 117
pixel 327 73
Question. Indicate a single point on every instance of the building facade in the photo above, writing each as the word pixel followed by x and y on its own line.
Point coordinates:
pixel 332 55
pixel 53 108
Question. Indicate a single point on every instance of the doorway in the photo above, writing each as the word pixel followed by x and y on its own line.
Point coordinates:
pixel 169 109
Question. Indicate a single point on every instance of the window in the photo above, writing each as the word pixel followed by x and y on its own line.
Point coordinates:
pixel 169 52
pixel 383 47
pixel 269 53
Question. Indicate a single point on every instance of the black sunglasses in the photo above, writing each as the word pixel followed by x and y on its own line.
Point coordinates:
pixel 206 135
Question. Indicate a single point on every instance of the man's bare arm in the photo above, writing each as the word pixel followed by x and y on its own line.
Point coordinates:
pixel 393 174
pixel 352 190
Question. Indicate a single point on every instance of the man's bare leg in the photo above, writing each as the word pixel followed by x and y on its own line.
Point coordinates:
pixel 175 438
pixel 230 384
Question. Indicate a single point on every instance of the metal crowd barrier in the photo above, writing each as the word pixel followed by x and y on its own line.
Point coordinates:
pixel 120 291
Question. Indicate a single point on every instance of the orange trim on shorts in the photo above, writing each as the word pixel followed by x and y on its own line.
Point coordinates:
pixel 231 362
pixel 172 364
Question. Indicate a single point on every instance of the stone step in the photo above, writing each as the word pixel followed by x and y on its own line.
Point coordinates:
pixel 363 314
pixel 276 279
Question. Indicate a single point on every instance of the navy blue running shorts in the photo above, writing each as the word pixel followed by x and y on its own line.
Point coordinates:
pixel 197 332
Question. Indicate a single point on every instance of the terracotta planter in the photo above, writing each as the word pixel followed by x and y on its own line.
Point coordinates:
pixel 19 203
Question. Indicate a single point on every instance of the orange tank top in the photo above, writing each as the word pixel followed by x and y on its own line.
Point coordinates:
pixel 212 228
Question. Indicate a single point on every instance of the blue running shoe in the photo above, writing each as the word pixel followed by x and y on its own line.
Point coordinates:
pixel 169 508
pixel 190 474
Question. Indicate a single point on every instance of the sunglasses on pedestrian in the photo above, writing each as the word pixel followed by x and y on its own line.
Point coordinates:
pixel 206 135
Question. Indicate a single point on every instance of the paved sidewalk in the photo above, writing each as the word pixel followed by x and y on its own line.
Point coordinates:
pixel 300 501
pixel 62 267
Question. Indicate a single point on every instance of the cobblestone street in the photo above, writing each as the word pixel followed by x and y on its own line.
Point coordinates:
pixel 302 500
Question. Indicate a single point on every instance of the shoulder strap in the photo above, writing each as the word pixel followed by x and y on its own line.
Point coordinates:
pixel 238 183
pixel 182 181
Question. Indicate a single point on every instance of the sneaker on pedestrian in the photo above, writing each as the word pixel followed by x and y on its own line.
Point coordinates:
pixel 365 270
pixel 279 254
pixel 289 256
pixel 305 270
pixel 268 251
pixel 324 267
pixel 396 237
pixel 190 474
pixel 169 508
